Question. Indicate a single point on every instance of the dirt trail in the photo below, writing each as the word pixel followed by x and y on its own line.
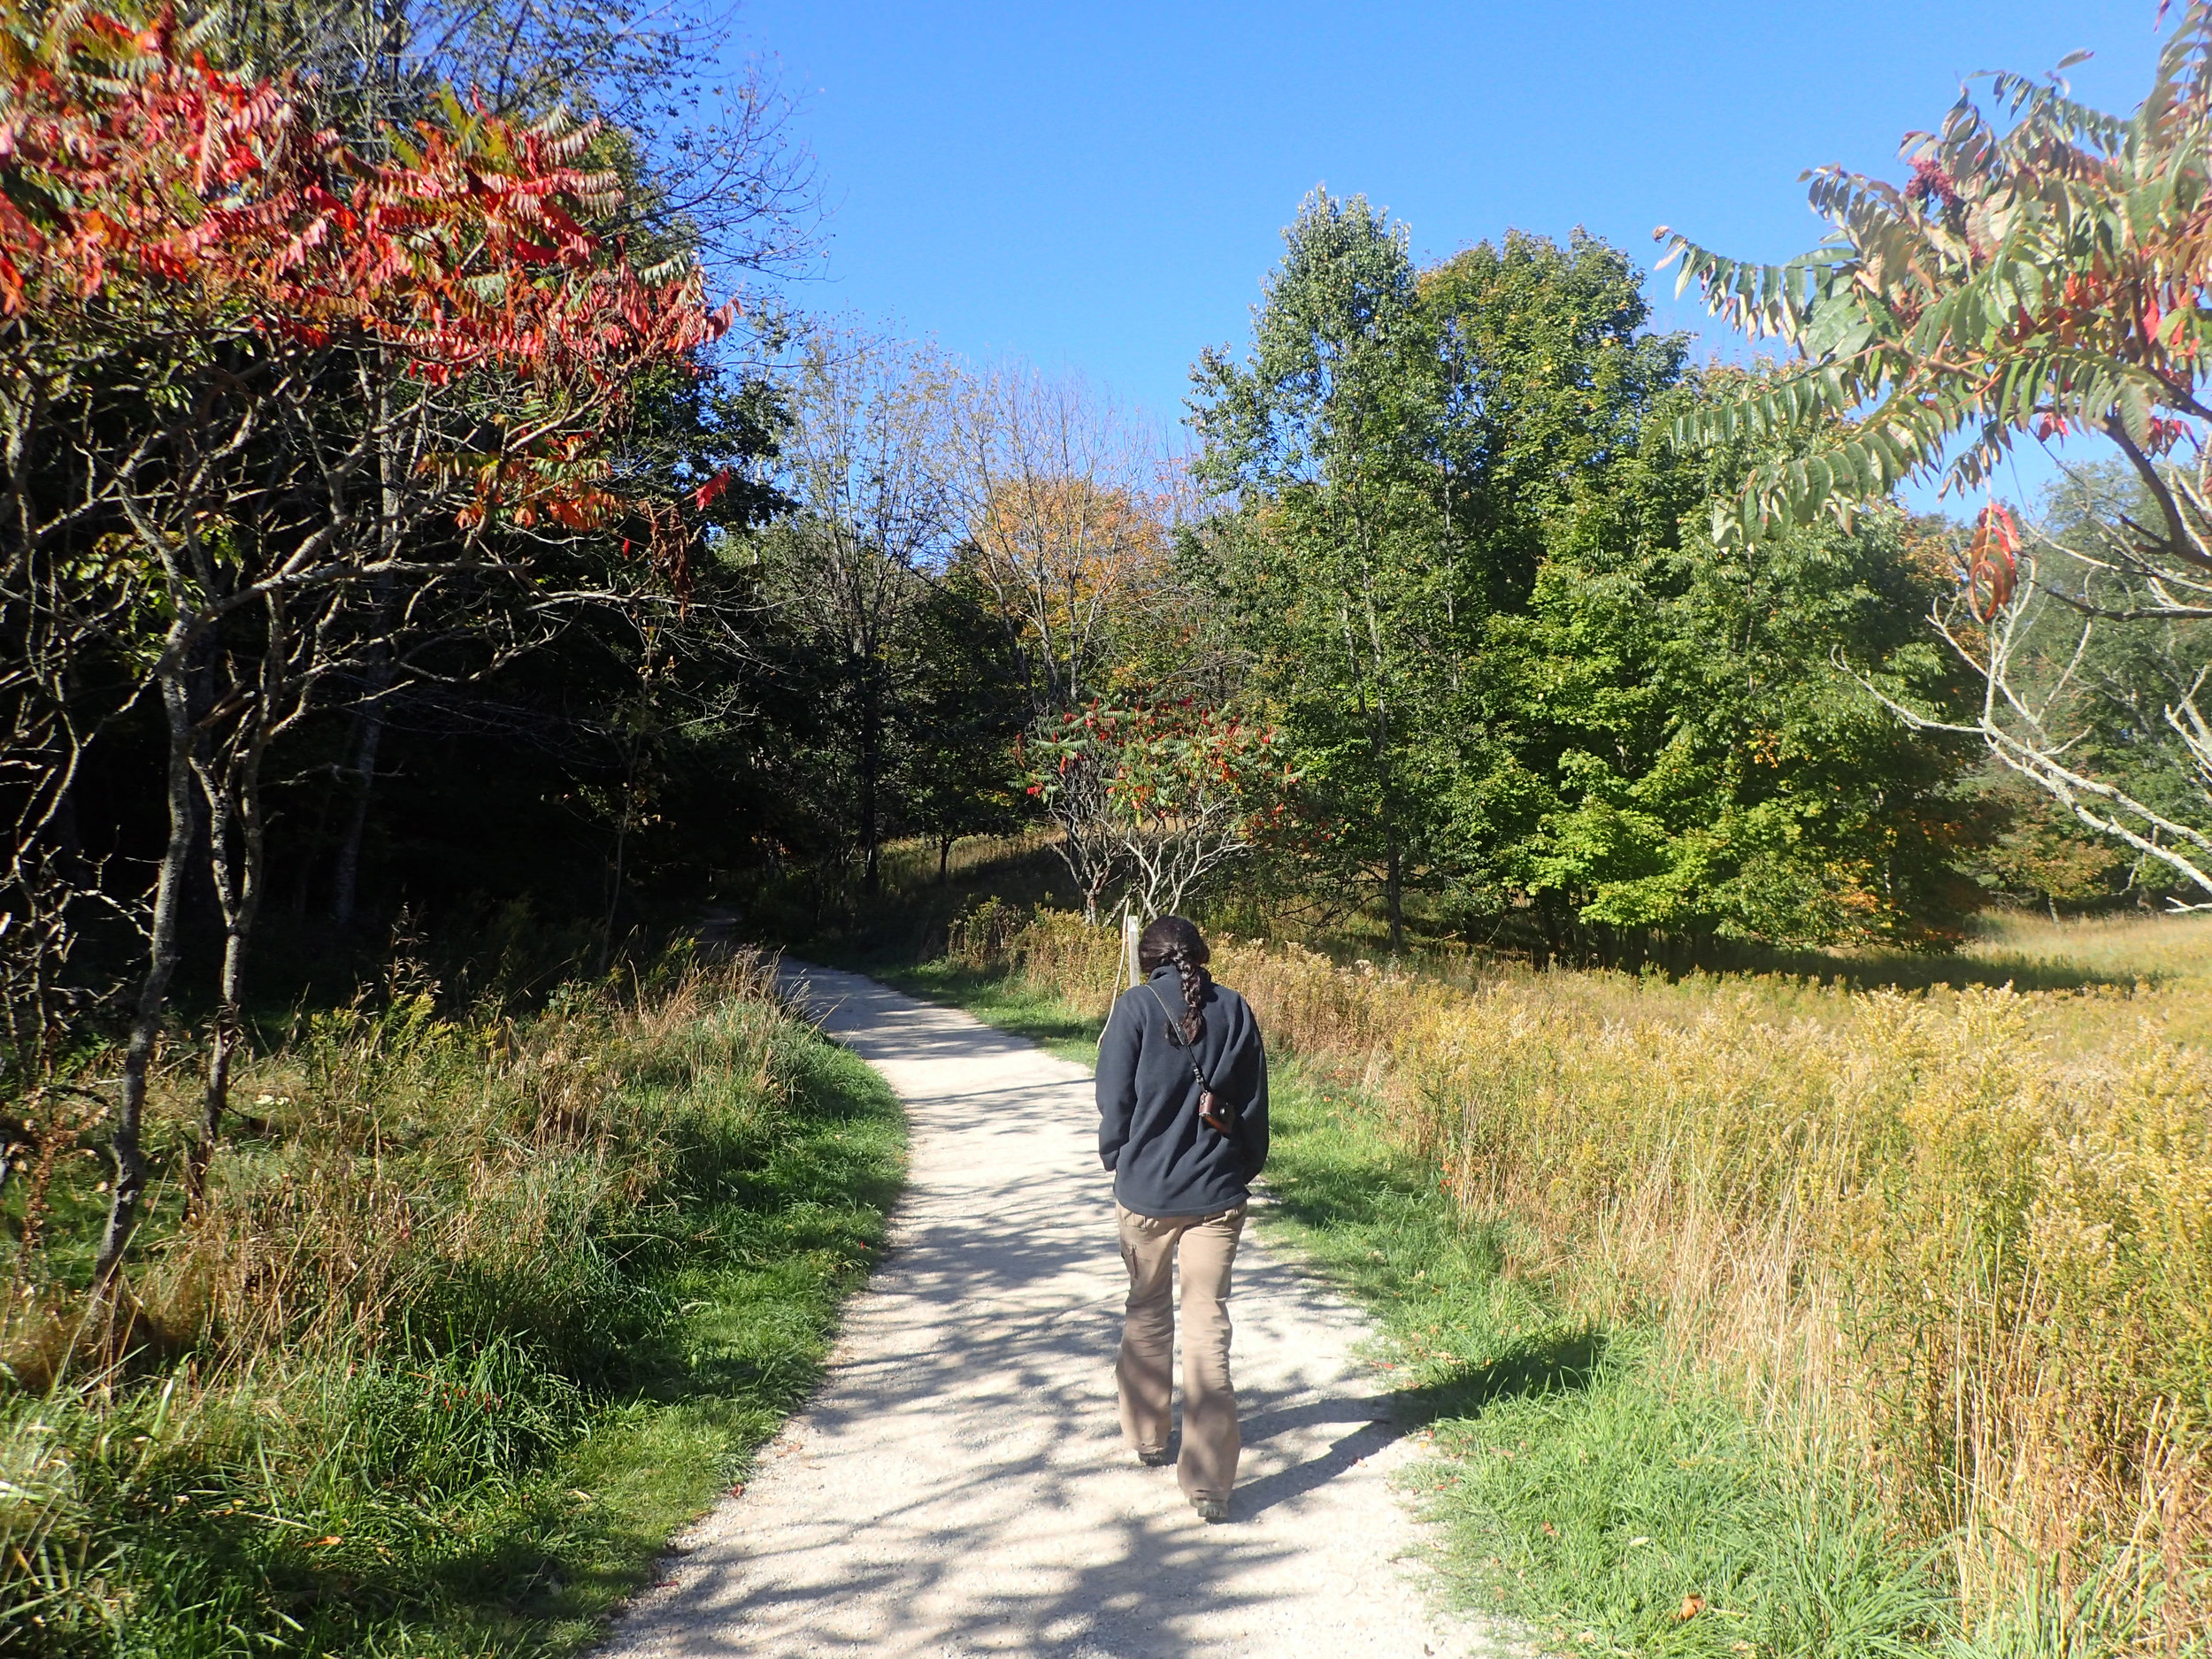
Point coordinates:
pixel 958 1488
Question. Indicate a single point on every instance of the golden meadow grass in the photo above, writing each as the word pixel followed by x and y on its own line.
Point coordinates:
pixel 1966 1233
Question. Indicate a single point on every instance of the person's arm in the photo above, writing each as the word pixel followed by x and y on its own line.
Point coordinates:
pixel 1117 1084
pixel 1252 1137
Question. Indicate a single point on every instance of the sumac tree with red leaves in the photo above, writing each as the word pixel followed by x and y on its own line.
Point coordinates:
pixel 1157 795
pixel 2047 271
pixel 279 413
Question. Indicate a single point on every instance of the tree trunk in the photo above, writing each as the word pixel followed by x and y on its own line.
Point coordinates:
pixel 162 951
pixel 222 1051
pixel 944 859
pixel 1394 851
pixel 222 834
pixel 1094 892
pixel 237 843
pixel 1395 890
pixel 870 767
pixel 1547 921
pixel 243 826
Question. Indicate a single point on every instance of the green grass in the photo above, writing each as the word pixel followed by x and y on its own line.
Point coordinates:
pixel 754 1308
pixel 457 1494
pixel 1585 1485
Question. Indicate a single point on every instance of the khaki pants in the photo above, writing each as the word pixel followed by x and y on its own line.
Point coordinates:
pixel 1208 1245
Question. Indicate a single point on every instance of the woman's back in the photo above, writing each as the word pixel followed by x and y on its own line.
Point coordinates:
pixel 1166 1160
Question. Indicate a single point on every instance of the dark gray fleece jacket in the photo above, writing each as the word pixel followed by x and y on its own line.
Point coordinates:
pixel 1166 1162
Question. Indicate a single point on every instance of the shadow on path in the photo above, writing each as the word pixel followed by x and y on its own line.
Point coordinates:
pixel 960 1487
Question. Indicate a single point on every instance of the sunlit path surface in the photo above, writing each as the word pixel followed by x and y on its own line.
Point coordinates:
pixel 958 1488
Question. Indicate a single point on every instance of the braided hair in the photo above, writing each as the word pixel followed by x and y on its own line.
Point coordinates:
pixel 1171 940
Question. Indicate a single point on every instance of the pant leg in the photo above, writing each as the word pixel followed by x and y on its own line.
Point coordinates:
pixel 1211 1441
pixel 1143 1372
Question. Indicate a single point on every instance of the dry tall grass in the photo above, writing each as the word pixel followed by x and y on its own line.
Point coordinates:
pixel 433 1244
pixel 1968 1235
pixel 391 1154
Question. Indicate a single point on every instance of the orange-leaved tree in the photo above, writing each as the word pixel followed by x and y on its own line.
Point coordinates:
pixel 1068 509
pixel 288 409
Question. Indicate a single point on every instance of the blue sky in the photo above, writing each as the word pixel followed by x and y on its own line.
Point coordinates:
pixel 1100 189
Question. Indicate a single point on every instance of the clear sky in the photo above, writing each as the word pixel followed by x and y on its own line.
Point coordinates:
pixel 1100 189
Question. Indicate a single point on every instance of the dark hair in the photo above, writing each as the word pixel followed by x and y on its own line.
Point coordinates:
pixel 1172 940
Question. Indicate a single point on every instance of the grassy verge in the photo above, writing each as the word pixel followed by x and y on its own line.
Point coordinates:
pixel 1609 1499
pixel 478 1316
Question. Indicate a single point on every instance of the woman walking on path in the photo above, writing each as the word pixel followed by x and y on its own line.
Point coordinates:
pixel 1182 1111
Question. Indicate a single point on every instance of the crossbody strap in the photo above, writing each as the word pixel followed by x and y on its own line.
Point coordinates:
pixel 1207 1096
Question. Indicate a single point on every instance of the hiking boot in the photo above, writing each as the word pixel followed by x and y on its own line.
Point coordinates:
pixel 1211 1510
pixel 1160 1459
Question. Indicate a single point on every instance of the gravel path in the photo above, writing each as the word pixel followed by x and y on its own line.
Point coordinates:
pixel 958 1488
